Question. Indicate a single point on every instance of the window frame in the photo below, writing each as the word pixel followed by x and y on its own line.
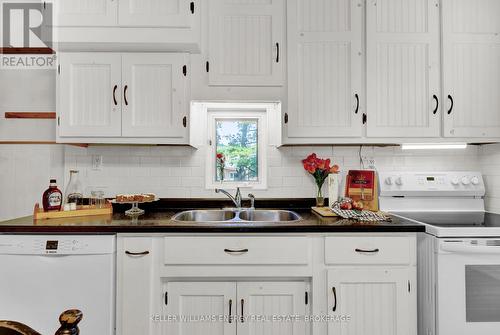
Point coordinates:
pixel 262 140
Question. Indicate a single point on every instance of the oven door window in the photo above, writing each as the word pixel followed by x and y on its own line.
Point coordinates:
pixel 482 293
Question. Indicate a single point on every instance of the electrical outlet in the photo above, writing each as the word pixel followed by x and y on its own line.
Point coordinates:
pixel 96 162
pixel 368 162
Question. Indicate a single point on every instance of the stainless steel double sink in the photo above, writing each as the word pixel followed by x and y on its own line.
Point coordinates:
pixel 236 215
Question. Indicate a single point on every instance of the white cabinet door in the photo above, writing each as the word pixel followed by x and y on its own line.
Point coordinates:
pixel 268 299
pixel 371 301
pixel 86 12
pixel 403 74
pixel 246 42
pixel 471 59
pixel 155 100
pixel 135 268
pixel 192 300
pixel 89 99
pixel 325 53
pixel 156 13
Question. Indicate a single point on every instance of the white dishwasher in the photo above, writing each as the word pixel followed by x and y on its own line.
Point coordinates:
pixel 41 276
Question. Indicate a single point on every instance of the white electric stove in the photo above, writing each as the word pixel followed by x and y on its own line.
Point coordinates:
pixel 458 256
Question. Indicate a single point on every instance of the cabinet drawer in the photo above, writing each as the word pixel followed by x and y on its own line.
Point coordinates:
pixel 236 250
pixel 367 250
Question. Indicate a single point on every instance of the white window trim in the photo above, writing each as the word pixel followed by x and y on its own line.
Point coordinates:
pixel 202 135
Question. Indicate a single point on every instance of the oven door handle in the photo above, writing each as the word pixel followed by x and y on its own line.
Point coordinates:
pixel 468 249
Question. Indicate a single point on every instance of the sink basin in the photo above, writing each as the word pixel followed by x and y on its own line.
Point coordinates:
pixel 205 216
pixel 236 215
pixel 269 216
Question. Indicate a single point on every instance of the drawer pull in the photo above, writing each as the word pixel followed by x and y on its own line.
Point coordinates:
pixel 334 299
pixel 230 312
pixel 232 251
pixel 143 253
pixel 372 251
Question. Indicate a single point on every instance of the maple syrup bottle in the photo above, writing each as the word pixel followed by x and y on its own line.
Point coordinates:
pixel 52 197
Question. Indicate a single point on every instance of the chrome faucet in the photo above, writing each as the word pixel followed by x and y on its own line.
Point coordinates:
pixel 236 199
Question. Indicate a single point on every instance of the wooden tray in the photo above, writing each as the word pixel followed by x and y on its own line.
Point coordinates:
pixel 39 214
pixel 324 211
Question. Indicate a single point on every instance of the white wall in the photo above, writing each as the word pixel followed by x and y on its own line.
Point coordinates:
pixel 180 171
pixel 489 159
pixel 25 171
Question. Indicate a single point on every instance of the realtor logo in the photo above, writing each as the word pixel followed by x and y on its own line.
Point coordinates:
pixel 26 35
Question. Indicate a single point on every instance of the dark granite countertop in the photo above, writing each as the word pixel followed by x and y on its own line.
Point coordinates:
pixel 160 222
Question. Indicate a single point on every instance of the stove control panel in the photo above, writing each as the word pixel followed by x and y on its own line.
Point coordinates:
pixel 454 183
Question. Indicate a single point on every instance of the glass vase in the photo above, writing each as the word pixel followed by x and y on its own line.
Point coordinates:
pixel 320 200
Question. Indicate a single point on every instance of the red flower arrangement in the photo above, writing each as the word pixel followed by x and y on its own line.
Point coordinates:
pixel 221 163
pixel 319 169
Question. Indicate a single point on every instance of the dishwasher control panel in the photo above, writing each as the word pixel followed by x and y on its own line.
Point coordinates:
pixel 56 244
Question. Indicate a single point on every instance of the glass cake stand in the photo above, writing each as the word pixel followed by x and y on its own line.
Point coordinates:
pixel 134 211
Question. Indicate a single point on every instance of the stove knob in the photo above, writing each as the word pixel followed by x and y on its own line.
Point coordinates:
pixel 399 181
pixel 388 180
pixel 465 180
pixel 474 181
pixel 455 181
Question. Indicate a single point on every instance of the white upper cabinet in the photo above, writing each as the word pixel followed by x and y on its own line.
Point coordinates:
pixel 158 13
pixel 403 72
pixel 127 25
pixel 123 98
pixel 325 57
pixel 246 42
pixel 471 54
pixel 89 99
pixel 86 12
pixel 132 13
pixel 154 88
pixel 379 301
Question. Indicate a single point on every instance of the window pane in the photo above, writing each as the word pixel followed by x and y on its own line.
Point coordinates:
pixel 237 150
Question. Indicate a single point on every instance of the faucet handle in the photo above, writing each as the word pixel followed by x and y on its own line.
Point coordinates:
pixel 252 200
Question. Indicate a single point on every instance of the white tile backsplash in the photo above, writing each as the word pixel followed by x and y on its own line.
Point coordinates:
pixel 179 171
pixel 489 161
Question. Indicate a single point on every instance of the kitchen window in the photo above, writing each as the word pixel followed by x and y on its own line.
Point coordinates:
pixel 236 137
pixel 236 150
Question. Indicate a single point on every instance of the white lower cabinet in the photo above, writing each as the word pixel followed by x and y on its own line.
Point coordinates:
pixel 134 288
pixel 348 280
pixel 271 299
pixel 370 301
pixel 194 300
pixel 230 308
